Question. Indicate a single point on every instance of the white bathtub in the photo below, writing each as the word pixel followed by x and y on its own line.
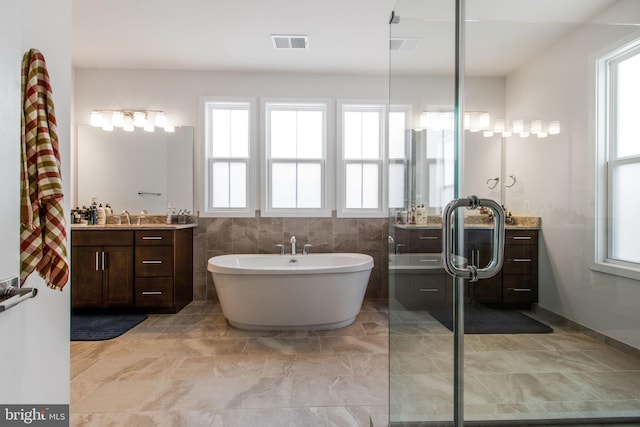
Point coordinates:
pixel 276 292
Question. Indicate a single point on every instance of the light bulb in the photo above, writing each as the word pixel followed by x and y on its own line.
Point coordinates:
pixel 554 127
pixel 536 126
pixel 161 119
pixel 117 118
pixel 139 119
pixel 518 126
pixel 96 119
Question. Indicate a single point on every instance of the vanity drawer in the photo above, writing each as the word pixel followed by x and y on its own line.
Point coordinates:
pixel 519 289
pixel 154 292
pixel 417 291
pixel 428 240
pixel 101 237
pixel 521 259
pixel 154 261
pixel 521 237
pixel 154 237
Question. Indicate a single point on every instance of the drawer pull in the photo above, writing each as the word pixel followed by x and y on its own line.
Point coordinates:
pixel 152 261
pixel 428 290
pixel 521 260
pixel 428 237
pixel 521 237
pixel 521 289
pixel 429 260
pixel 152 293
pixel 152 237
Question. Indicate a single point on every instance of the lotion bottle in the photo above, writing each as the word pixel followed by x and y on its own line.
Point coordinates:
pixel 102 216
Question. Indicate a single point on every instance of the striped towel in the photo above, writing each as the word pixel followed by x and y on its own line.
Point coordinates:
pixel 43 236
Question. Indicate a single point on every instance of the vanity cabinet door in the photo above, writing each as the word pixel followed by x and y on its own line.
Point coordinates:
pixel 102 276
pixel 86 277
pixel 486 291
pixel 117 276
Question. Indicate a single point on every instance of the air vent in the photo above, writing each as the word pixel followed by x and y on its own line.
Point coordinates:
pixel 404 43
pixel 290 41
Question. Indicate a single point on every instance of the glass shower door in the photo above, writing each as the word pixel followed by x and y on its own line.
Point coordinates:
pixel 542 90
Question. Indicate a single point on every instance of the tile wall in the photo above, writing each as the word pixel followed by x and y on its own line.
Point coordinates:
pixel 219 236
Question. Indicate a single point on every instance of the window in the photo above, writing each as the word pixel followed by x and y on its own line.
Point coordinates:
pixel 295 159
pixel 361 148
pixel 228 147
pixel 619 161
pixel 439 155
pixel 398 155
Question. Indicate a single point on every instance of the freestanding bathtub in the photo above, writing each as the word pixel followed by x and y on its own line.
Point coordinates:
pixel 276 292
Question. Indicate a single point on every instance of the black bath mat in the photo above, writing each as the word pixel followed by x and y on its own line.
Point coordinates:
pixel 99 327
pixel 479 319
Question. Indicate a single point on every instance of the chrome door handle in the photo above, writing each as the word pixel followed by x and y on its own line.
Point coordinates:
pixel 472 272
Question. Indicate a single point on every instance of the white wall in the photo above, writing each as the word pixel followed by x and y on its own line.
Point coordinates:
pixel 556 176
pixel 177 93
pixel 35 338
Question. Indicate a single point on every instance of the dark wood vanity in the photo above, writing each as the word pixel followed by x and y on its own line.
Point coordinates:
pixel 138 269
pixel 515 286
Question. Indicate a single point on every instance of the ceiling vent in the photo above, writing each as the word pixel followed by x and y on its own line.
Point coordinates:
pixel 289 41
pixel 404 43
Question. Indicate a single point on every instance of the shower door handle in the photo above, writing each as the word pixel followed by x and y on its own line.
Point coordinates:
pixel 472 272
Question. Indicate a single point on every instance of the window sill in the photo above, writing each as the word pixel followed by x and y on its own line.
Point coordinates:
pixel 617 270
pixel 228 214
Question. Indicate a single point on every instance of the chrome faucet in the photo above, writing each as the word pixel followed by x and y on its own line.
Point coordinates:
pixel 126 213
pixel 142 216
pixel 281 247
pixel 305 249
pixel 293 245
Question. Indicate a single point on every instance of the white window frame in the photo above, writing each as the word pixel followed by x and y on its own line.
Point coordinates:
pixel 327 170
pixel 341 164
pixel 408 114
pixel 204 161
pixel 606 159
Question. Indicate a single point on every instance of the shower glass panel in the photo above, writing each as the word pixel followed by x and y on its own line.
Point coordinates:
pixel 549 75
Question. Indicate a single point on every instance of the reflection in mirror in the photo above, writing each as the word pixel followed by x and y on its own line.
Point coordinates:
pixel 115 167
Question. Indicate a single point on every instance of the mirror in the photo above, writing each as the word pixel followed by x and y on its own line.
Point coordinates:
pixel 135 171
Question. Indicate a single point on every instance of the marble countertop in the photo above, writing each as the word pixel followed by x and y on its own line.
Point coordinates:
pixel 479 221
pixel 84 227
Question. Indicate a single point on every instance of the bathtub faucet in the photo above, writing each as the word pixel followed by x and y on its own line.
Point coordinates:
pixel 293 245
pixel 305 249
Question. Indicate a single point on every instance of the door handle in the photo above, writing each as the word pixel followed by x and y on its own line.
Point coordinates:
pixel 472 272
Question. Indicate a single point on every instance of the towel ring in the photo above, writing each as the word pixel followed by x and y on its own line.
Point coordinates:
pixel 513 181
pixel 495 182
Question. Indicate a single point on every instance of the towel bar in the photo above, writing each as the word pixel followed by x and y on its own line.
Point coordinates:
pixel 11 295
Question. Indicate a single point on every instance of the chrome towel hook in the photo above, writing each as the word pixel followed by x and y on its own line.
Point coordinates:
pixel 513 181
pixel 495 182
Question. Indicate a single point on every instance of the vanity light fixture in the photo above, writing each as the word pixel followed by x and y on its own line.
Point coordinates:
pixel 475 121
pixel 128 120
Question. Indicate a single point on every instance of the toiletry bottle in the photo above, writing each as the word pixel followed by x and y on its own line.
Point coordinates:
pixel 101 215
pixel 169 213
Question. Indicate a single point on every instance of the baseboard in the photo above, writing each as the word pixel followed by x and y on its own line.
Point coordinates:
pixel 583 422
pixel 604 339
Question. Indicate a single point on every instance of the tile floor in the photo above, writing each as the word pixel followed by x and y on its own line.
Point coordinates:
pixel 564 374
pixel 191 369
